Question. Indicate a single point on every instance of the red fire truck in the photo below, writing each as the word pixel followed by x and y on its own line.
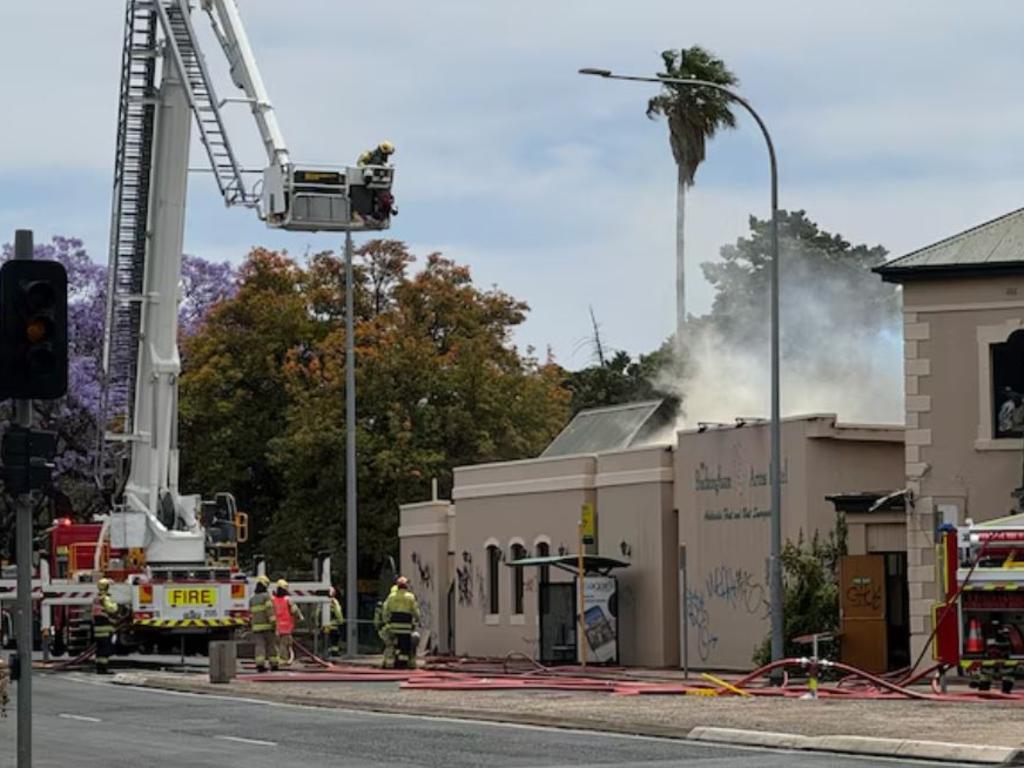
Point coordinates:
pixel 979 620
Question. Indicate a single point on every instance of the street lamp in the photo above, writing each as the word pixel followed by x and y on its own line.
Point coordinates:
pixel 775 567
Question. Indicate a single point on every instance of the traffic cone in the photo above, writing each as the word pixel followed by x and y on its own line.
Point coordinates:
pixel 975 642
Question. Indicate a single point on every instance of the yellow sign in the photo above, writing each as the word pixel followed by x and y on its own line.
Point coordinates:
pixel 588 528
pixel 189 596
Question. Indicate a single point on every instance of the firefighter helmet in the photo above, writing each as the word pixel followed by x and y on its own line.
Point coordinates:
pixel 103 584
pixel 262 579
pixel 386 147
pixel 282 584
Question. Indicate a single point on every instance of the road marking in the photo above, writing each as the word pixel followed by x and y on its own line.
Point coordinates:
pixel 83 718
pixel 248 741
pixel 483 723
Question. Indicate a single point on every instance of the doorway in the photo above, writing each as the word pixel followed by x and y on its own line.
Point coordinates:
pixel 557 622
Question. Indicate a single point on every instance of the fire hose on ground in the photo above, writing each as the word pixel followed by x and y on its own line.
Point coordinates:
pixel 496 675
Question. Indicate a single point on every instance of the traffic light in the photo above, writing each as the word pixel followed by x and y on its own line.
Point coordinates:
pixel 26 456
pixel 33 330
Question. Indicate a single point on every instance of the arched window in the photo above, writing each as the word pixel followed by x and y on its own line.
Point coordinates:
pixel 493 563
pixel 518 553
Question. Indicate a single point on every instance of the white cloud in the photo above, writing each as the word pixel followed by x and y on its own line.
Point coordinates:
pixel 896 124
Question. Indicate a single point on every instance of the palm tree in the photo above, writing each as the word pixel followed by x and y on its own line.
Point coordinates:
pixel 694 115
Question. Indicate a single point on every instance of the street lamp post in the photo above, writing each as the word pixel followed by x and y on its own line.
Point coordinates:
pixel 775 567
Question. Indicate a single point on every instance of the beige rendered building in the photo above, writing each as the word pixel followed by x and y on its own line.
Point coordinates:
pixel 724 499
pixel 963 312
pixel 704 497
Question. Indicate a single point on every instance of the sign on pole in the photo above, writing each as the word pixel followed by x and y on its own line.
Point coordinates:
pixel 588 527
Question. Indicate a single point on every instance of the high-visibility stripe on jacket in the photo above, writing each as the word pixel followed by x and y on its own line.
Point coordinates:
pixel 337 617
pixel 104 609
pixel 261 612
pixel 286 612
pixel 401 612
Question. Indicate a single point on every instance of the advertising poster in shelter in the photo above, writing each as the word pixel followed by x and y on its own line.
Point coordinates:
pixel 600 619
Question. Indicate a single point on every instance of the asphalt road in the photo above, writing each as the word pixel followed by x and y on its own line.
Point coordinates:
pixel 87 723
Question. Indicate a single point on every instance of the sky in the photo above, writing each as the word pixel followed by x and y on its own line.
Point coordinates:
pixel 895 124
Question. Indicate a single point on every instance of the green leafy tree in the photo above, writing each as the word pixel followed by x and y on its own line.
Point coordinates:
pixel 825 280
pixel 439 385
pixel 620 379
pixel 810 574
pixel 233 387
pixel 694 116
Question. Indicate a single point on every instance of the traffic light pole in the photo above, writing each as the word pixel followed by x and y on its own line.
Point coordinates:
pixel 23 506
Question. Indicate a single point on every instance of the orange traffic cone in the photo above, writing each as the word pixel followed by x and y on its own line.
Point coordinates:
pixel 975 642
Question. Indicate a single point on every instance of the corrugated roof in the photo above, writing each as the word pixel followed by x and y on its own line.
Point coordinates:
pixel 607 429
pixel 993 246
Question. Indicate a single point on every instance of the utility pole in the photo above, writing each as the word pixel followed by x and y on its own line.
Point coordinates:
pixel 23 548
pixel 352 575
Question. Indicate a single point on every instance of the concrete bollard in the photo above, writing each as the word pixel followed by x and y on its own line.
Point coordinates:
pixel 223 661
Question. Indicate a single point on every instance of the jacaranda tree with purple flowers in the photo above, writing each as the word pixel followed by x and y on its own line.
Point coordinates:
pixel 75 417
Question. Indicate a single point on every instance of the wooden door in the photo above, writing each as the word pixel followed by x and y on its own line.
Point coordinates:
pixel 862 603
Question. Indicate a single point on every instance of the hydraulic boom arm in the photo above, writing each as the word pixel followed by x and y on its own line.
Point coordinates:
pixel 230 32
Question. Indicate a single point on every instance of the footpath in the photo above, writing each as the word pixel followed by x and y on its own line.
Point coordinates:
pixel 984 733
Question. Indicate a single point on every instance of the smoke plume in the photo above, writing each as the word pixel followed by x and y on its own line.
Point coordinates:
pixel 841 335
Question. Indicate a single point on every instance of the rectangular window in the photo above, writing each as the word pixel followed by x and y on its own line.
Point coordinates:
pixel 1008 386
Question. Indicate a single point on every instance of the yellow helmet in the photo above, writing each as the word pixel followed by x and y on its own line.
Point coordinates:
pixel 262 579
pixel 103 584
pixel 282 584
pixel 386 147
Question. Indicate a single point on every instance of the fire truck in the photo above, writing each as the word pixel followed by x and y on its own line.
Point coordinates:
pixel 979 620
pixel 172 557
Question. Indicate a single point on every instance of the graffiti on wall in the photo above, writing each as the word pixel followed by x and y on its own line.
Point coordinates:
pixel 862 593
pixel 735 589
pixel 424 572
pixel 738 589
pixel 422 580
pixel 464 579
pixel 697 617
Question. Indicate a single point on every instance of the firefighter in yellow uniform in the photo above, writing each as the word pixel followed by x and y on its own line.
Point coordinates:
pixel 262 621
pixel 287 614
pixel 335 624
pixel 104 614
pixel 379 155
pixel 401 614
